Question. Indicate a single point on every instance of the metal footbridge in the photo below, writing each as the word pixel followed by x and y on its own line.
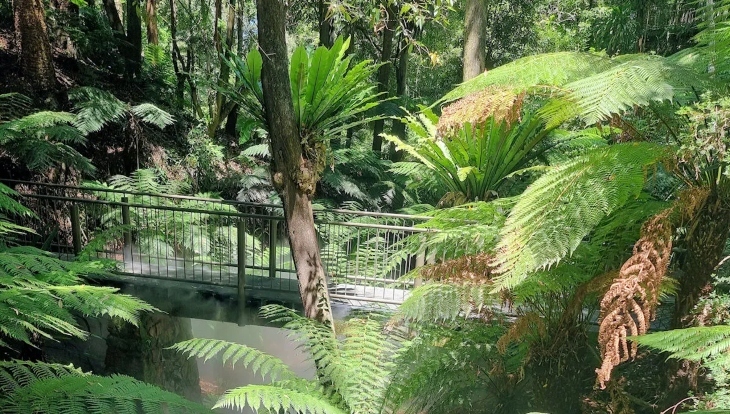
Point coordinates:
pixel 214 244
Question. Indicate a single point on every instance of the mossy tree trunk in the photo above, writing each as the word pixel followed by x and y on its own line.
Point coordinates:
pixel 293 170
pixel 36 59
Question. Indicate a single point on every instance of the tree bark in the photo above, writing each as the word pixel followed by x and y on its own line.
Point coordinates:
pixel 326 31
pixel 401 78
pixel 153 33
pixel 475 26
pixel 134 39
pixel 705 242
pixel 36 59
pixel 221 109
pixel 292 173
pixel 384 72
pixel 110 8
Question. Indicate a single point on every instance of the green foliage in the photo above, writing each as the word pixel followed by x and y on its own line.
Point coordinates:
pixel 706 344
pixel 438 302
pixel 588 86
pixel 42 139
pixel 473 163
pixel 96 108
pixel 329 96
pixel 353 372
pixel 94 394
pixel 560 208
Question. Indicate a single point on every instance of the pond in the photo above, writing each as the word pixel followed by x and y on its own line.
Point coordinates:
pixel 117 348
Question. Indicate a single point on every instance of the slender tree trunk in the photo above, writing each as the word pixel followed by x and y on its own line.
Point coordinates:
pixel 36 59
pixel 475 26
pixel 384 72
pixel 178 63
pixel 134 39
pixel 153 33
pixel 326 31
pixel 221 109
pixel 292 172
pixel 401 78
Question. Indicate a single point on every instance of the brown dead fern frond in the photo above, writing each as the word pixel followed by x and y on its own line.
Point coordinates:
pixel 502 103
pixel 629 305
pixel 472 269
pixel 530 325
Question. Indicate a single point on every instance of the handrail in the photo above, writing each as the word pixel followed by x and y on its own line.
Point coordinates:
pixel 216 200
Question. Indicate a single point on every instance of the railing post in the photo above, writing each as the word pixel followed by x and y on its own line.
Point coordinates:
pixel 241 247
pixel 76 229
pixel 126 222
pixel 273 235
pixel 420 261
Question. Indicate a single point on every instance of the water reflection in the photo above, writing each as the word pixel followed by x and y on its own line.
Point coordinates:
pixel 140 352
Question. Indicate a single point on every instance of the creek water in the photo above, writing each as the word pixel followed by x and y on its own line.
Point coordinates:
pixel 118 348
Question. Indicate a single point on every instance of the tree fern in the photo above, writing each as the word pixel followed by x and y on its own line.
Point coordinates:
pixel 560 208
pixel 16 374
pixel 438 302
pixel 96 108
pixel 353 370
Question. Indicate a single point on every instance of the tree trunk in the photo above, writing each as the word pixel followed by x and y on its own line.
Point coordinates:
pixel 110 8
pixel 134 39
pixel 36 60
pixel 292 173
pixel 475 26
pixel 153 34
pixel 401 73
pixel 705 242
pixel 326 31
pixel 384 72
pixel 220 110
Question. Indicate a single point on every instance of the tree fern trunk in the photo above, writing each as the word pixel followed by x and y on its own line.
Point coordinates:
pixel 705 242
pixel 292 173
pixel 153 33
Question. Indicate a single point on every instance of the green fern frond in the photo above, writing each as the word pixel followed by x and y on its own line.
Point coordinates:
pixel 13 106
pixel 434 302
pixel 95 108
pixel 95 395
pixel 257 151
pixel 534 72
pixel 259 362
pixel 16 374
pixel 707 344
pixel 276 399
pixel 560 208
pixel 153 115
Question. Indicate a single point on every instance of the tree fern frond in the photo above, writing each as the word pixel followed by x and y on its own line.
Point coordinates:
pixel 152 114
pixel 707 344
pixel 276 399
pixel 15 374
pixel 259 362
pixel 13 106
pixel 434 302
pixel 257 151
pixel 95 395
pixel 95 108
pixel 561 207
pixel 534 71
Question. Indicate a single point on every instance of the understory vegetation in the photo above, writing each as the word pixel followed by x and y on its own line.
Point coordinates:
pixel 564 166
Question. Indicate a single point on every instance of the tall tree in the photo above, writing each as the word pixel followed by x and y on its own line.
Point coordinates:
pixel 36 59
pixel 475 26
pixel 326 31
pixel 386 52
pixel 292 173
pixel 134 39
pixel 153 33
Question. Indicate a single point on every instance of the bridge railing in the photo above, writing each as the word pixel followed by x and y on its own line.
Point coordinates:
pixel 222 242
